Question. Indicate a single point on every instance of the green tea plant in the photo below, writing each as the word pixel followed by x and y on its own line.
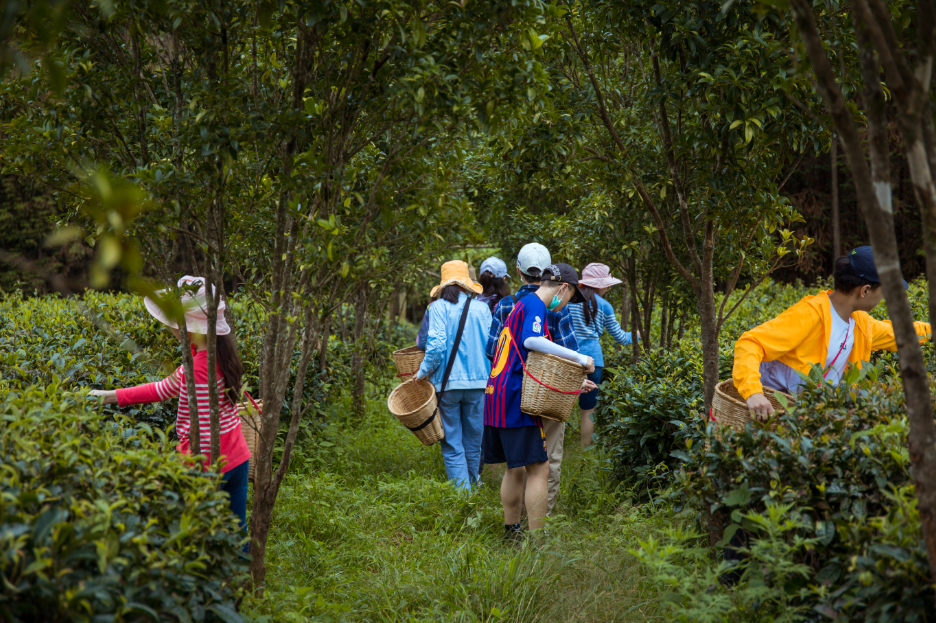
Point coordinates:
pixel 102 521
pixel 645 410
pixel 771 578
pixel 837 460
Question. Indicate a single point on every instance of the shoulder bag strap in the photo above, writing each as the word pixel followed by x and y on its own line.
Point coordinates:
pixel 448 366
pixel 454 353
pixel 514 297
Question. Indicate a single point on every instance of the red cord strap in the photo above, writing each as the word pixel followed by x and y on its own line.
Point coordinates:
pixel 841 348
pixel 256 406
pixel 522 363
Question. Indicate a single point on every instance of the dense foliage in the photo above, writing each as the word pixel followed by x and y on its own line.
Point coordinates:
pixel 102 521
pixel 824 491
pixel 104 341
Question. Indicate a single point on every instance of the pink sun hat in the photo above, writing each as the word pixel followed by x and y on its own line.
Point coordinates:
pixel 195 307
pixel 597 276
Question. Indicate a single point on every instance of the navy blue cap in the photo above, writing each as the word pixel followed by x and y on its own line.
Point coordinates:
pixel 862 265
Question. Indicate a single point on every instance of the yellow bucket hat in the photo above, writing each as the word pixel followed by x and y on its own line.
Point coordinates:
pixel 456 272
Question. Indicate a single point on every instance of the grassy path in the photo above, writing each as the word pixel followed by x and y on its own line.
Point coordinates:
pixel 367 529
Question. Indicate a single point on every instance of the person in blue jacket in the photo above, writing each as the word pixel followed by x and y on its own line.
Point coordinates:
pixel 461 406
pixel 596 279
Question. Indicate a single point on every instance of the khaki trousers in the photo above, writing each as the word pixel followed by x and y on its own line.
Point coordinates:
pixel 555 433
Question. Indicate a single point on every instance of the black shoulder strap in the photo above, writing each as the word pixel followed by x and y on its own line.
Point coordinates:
pixel 514 297
pixel 454 353
pixel 448 366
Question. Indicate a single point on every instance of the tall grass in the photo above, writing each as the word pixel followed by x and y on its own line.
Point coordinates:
pixel 368 529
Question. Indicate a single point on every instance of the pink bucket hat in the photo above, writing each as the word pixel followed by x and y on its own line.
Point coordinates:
pixel 195 307
pixel 597 276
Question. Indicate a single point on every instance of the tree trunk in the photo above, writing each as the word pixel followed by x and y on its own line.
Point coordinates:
pixel 625 305
pixel 708 315
pixel 648 311
pixel 403 306
pixel 357 359
pixel 873 190
pixel 279 338
pixel 836 222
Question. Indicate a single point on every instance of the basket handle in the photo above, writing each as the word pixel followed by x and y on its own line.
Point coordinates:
pixel 254 403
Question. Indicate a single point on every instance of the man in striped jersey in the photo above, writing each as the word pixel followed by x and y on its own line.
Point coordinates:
pixel 531 261
pixel 510 435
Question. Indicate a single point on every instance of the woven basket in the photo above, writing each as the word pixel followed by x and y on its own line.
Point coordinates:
pixel 408 360
pixel 414 404
pixel 730 409
pixel 251 425
pixel 564 375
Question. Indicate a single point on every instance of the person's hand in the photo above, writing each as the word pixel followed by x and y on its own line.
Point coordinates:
pixel 590 365
pixel 761 407
pixel 588 385
pixel 107 396
pixel 414 380
pixel 637 333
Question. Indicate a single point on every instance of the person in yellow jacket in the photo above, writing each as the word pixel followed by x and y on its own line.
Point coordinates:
pixel 831 328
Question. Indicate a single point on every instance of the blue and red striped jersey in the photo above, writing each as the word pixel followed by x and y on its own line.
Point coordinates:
pixel 505 387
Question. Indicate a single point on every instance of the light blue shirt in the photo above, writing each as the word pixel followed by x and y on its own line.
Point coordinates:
pixel 588 335
pixel 471 368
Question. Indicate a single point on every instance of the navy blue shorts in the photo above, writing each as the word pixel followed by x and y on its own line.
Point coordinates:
pixel 517 447
pixel 589 400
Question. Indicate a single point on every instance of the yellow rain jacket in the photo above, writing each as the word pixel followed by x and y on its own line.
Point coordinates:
pixel 799 337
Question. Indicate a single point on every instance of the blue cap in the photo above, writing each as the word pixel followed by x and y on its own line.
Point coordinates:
pixel 495 266
pixel 862 265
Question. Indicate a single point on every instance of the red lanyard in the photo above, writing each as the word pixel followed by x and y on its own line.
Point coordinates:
pixel 523 363
pixel 841 348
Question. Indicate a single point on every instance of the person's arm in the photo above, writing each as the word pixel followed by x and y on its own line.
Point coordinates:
pixel 162 390
pixel 564 333
pixel 435 341
pixel 882 333
pixel 767 342
pixel 497 324
pixel 613 327
pixel 423 331
pixel 542 345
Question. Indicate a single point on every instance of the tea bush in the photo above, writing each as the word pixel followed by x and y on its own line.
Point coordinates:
pixel 103 522
pixel 644 410
pixel 837 463
pixel 109 340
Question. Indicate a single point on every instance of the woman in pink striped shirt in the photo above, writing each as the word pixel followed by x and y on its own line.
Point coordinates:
pixel 227 377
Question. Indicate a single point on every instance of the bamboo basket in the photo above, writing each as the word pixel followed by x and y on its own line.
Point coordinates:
pixel 729 408
pixel 562 374
pixel 408 360
pixel 251 425
pixel 414 404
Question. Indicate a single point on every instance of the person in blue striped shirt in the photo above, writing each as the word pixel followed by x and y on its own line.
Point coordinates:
pixel 596 278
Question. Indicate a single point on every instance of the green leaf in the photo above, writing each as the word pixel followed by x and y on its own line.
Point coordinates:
pixel 226 613
pixel 739 496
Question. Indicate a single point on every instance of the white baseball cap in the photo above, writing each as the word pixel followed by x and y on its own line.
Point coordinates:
pixel 532 259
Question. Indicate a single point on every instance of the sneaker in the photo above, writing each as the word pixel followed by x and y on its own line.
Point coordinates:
pixel 513 535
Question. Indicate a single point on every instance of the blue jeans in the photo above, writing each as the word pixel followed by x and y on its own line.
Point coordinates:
pixel 462 413
pixel 235 485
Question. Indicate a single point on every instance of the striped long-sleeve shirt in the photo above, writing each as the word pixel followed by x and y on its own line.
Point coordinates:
pixel 233 446
pixel 588 335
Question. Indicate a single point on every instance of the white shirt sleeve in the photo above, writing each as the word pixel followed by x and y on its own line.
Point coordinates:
pixel 542 345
